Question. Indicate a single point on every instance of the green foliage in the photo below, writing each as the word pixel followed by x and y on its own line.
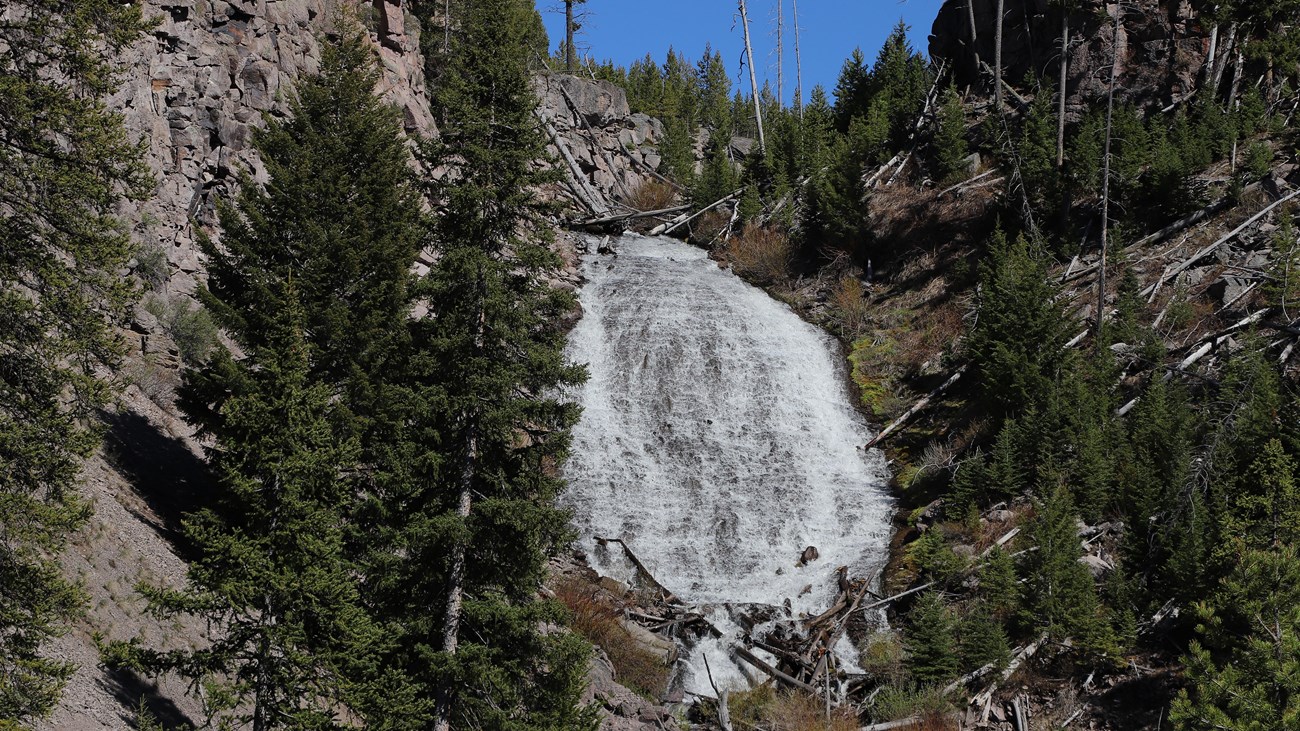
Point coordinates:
pixel 65 165
pixel 982 641
pixel 998 584
pixel 1244 668
pixel 950 146
pixel 1059 595
pixel 931 643
pixel 1016 345
pixel 934 558
pixel 191 328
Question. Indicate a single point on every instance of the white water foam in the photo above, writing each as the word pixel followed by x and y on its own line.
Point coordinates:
pixel 718 440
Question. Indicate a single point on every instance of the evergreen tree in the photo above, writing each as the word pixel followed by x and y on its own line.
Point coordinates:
pixel 982 640
pixel 931 644
pixel 312 280
pixel 950 147
pixel 272 583
pixel 998 584
pixel 65 164
pixel 476 537
pixel 1059 595
pixel 1016 345
pixel 714 90
pixel 1244 669
pixel 852 90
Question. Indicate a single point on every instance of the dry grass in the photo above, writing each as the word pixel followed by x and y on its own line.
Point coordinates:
pixel 709 226
pixel 767 709
pixel 634 666
pixel 851 306
pixel 761 253
pixel 652 195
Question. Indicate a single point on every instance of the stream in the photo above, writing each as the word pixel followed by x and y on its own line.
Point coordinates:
pixel 719 441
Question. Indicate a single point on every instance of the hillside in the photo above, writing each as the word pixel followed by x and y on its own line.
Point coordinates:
pixel 1073 316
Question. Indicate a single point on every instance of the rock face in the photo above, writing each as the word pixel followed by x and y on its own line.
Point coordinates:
pixel 197 89
pixel 614 149
pixel 1162 46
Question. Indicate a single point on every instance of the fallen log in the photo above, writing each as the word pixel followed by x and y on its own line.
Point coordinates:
pixel 975 674
pixel 591 198
pixel 968 181
pixel 629 216
pixel 907 415
pixel 1185 222
pixel 1027 652
pixel 640 567
pixel 896 597
pixel 838 633
pixel 772 672
pixel 1174 271
pixel 666 228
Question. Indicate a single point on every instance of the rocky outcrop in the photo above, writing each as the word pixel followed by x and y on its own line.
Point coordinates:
pixel 1162 46
pixel 615 149
pixel 209 75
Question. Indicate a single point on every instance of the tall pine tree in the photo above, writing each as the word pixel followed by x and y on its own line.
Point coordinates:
pixel 65 162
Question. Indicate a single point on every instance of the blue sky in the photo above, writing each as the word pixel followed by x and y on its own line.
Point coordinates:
pixel 625 30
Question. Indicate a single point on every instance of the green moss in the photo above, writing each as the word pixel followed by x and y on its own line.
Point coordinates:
pixel 868 357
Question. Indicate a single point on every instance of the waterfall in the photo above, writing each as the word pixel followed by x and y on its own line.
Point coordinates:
pixel 717 439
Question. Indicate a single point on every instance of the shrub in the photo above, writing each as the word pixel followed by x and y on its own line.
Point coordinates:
pixel 895 702
pixel 766 708
pixel 760 253
pixel 151 266
pixel 652 195
pixel 634 666
pixel 192 329
pixel 851 307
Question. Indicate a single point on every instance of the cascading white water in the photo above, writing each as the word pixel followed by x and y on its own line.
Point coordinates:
pixel 717 438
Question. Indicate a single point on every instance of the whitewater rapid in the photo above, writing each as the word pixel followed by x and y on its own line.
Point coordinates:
pixel 718 440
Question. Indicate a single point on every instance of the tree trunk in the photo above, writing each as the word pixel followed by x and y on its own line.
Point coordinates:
pixel 974 34
pixel 798 62
pixel 1060 90
pixel 1221 63
pixel 570 56
pixel 456 577
pixel 753 78
pixel 1208 70
pixel 1105 178
pixel 780 54
pixel 997 60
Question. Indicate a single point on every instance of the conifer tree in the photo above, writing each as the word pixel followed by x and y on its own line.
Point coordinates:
pixel 982 641
pixel 477 536
pixel 1059 594
pixel 930 641
pixel 272 582
pixel 1243 671
pixel 950 147
pixel 65 164
pixel 852 90
pixel 998 584
pixel 312 280
pixel 1016 345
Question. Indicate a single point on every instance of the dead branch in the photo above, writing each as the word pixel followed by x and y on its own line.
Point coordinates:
pixel 907 415
pixel 667 228
pixel 772 672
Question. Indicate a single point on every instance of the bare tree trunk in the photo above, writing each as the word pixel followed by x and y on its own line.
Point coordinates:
pixel 753 78
pixel 780 54
pixel 997 60
pixel 1222 62
pixel 446 26
pixel 1210 57
pixel 798 62
pixel 974 34
pixel 1060 89
pixel 570 56
pixel 1105 177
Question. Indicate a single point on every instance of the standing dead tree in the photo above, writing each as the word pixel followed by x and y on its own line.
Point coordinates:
pixel 753 78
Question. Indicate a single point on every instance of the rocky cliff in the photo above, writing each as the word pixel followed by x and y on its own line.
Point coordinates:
pixel 1162 45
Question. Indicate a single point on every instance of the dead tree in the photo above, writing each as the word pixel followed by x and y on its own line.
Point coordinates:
pixel 571 26
pixel 798 62
pixel 997 59
pixel 1105 176
pixel 753 78
pixel 780 53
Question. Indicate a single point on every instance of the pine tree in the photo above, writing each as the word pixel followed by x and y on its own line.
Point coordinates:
pixel 65 164
pixel 311 427
pixel 982 640
pixel 1243 671
pixel 852 90
pixel 477 536
pixel 950 147
pixel 1059 595
pixel 998 584
pixel 931 644
pixel 272 582
pixel 1016 345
